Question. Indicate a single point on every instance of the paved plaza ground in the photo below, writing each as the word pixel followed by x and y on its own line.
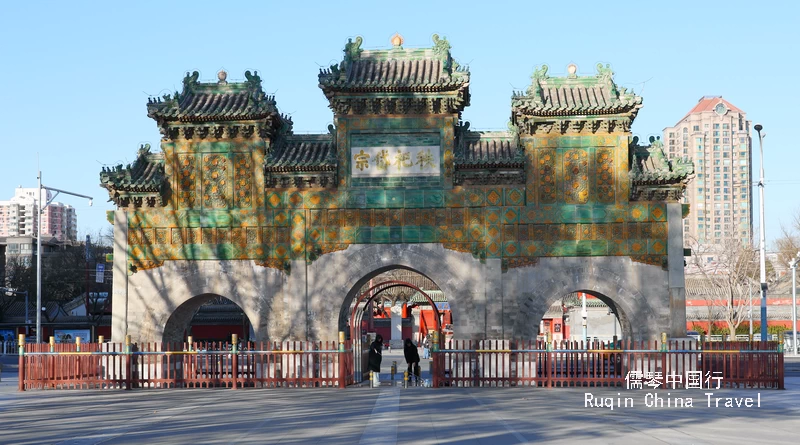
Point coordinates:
pixel 389 415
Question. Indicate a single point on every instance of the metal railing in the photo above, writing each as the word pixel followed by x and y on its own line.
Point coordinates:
pixel 9 348
pixel 677 364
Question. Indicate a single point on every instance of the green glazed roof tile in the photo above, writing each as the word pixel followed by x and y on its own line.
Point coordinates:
pixel 216 101
pixel 570 95
pixel 303 153
pixel 488 150
pixel 396 70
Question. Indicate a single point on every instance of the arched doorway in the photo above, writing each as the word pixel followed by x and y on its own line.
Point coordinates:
pixel 208 318
pixel 583 315
pixel 396 303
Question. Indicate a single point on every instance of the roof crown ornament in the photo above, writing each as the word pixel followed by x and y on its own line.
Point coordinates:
pixel 572 71
pixel 222 75
pixel 397 41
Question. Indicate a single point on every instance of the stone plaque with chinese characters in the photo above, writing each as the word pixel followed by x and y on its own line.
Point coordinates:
pixel 395 161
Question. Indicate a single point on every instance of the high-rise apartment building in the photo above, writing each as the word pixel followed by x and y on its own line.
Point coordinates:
pixel 715 134
pixel 19 217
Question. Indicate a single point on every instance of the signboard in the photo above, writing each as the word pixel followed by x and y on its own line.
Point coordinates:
pixel 69 335
pixel 443 306
pixel 7 335
pixel 100 273
pixel 396 161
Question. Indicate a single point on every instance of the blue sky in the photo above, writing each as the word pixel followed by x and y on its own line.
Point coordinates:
pixel 76 76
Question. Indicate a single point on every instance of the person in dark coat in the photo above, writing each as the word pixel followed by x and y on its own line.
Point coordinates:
pixel 375 355
pixel 412 357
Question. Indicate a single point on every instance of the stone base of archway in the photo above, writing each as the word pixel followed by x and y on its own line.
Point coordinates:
pixel 485 301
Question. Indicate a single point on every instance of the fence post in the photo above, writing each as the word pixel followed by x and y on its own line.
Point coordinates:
pixel 438 360
pixel 128 363
pixel 341 357
pixel 77 344
pixel 52 344
pixel 21 341
pixel 234 358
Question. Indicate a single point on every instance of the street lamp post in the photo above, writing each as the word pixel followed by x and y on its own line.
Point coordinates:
pixel 584 316
pixel 750 311
pixel 793 265
pixel 763 237
pixel 39 232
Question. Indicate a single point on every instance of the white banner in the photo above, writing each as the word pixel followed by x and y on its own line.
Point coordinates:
pixel 68 335
pixel 371 162
pixel 99 276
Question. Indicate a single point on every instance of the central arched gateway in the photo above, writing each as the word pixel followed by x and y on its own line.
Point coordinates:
pixel 362 301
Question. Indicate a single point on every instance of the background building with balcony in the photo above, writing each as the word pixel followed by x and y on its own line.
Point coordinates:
pixel 19 217
pixel 715 134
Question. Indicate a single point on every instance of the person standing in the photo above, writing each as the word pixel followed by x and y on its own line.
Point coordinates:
pixel 426 348
pixel 412 358
pixel 375 356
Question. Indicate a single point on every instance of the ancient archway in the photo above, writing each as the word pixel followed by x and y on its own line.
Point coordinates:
pixel 622 296
pixel 563 320
pixel 237 204
pixel 181 318
pixel 363 300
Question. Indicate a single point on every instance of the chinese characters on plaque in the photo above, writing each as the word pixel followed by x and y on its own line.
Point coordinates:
pixel 395 161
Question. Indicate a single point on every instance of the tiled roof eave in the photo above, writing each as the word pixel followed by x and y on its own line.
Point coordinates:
pixel 142 189
pixel 301 168
pixel 360 88
pixel 569 112
pixel 676 180
pixel 216 117
pixel 483 165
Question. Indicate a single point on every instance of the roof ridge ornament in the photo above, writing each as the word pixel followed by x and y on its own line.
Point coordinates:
pixel 397 41
pixel 604 73
pixel 352 50
pixel 572 71
pixel 222 75
pixel 190 80
pixel 253 79
pixel 535 90
pixel 441 47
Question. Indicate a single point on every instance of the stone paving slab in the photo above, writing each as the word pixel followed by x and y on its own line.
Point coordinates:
pixel 388 415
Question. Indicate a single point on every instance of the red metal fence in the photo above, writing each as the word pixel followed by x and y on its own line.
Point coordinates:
pixel 461 363
pixel 292 364
pixel 677 364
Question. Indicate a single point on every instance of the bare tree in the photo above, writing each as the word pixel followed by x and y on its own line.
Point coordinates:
pixel 727 269
pixel 789 243
pixel 19 276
